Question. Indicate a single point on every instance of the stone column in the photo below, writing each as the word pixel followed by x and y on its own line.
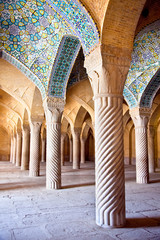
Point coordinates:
pixel 19 148
pixel 43 154
pixel 11 149
pixel 34 164
pixel 140 117
pixel 151 149
pixel 14 148
pixel 107 69
pixel 76 147
pixel 25 147
pixel 83 153
pixel 70 149
pixel 63 135
pixel 53 111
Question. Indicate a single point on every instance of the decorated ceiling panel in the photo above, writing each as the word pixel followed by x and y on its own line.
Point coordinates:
pixel 31 32
pixel 78 18
pixel 145 63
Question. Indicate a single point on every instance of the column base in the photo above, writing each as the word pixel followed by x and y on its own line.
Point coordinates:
pixel 18 165
pixel 76 167
pixel 34 174
pixel 115 222
pixel 53 185
pixel 142 180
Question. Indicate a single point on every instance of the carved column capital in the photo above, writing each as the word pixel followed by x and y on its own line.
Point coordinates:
pixel 107 68
pixel 53 108
pixel 36 126
pixel 140 116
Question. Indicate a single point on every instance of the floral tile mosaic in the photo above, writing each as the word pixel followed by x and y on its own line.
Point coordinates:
pixel 144 65
pixel 32 30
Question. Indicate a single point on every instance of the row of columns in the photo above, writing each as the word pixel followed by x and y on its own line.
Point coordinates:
pixel 107 69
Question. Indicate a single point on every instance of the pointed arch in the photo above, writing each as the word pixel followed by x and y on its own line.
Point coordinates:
pixel 26 71
pixel 67 53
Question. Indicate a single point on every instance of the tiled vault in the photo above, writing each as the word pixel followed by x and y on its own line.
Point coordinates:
pixel 145 63
pixel 31 32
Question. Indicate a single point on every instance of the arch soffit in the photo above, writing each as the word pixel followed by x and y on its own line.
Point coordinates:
pixel 145 64
pixel 39 53
pixel 85 105
pixel 120 22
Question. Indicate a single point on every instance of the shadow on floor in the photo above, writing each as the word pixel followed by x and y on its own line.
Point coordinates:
pixel 142 222
pixel 15 186
pixel 78 185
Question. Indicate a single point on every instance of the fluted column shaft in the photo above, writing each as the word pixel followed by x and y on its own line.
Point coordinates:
pixel 70 150
pixel 140 118
pixel 53 112
pixel 34 164
pixel 19 148
pixel 76 148
pixel 110 192
pixel 83 152
pixel 63 135
pixel 151 149
pixel 25 147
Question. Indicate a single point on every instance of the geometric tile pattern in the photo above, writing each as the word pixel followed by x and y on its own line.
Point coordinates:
pixel 78 18
pixel 31 31
pixel 150 91
pixel 62 67
pixel 144 65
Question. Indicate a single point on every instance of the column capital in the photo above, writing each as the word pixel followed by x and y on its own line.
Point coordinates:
pixel 35 125
pixel 107 68
pixel 53 108
pixel 140 116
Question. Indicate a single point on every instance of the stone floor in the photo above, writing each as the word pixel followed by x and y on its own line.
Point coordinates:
pixel 30 212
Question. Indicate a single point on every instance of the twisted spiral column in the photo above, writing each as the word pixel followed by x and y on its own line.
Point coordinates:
pixel 53 173
pixel 76 148
pixel 83 152
pixel 53 112
pixel 25 147
pixel 19 148
pixel 140 118
pixel 110 191
pixel 63 135
pixel 35 149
